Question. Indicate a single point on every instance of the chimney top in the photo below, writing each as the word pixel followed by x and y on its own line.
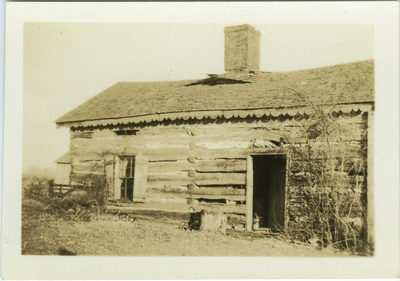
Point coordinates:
pixel 242 48
pixel 240 27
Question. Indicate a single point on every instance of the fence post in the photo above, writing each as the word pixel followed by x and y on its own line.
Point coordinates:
pixel 51 182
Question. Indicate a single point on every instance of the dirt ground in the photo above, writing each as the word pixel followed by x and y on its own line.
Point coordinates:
pixel 46 233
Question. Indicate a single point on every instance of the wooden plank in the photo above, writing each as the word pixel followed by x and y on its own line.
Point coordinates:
pixel 130 150
pixel 180 207
pixel 211 154
pixel 167 189
pixel 235 178
pixel 167 192
pixel 172 154
pixel 217 191
pixel 223 144
pixel 174 137
pixel 118 140
pixel 219 182
pixel 221 166
pixel 84 155
pixel 208 130
pixel 80 134
pixel 228 209
pixel 168 184
pixel 82 141
pixel 171 198
pixel 151 206
pixel 163 167
pixel 235 144
pixel 117 149
pixel 114 149
pixel 178 131
pixel 151 177
pixel 102 146
pixel 241 198
pixel 103 133
pixel 152 141
pixel 242 132
pixel 238 178
pixel 162 144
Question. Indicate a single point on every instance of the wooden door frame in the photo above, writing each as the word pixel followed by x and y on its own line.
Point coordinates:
pixel 250 188
pixel 249 192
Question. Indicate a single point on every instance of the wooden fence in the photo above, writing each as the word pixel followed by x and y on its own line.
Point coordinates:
pixel 56 189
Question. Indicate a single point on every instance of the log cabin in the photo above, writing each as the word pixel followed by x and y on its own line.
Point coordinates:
pixel 237 142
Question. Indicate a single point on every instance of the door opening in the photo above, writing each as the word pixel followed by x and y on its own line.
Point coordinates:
pixel 269 193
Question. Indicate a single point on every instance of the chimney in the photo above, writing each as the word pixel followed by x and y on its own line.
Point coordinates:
pixel 242 48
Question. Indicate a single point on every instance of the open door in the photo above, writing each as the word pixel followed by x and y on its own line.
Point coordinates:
pixel 267 197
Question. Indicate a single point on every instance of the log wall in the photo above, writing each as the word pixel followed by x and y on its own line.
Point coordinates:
pixel 199 163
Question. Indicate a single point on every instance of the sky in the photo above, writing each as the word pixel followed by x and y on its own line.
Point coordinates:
pixel 65 64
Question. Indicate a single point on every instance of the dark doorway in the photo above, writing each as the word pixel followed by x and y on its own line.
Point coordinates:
pixel 269 177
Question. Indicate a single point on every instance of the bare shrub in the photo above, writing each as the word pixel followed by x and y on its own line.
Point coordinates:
pixel 329 171
pixel 35 182
pixel 95 187
pixel 86 198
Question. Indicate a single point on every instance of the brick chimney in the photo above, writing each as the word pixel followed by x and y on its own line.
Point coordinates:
pixel 242 48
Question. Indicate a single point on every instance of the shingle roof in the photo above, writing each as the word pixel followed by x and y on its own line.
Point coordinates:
pixel 351 83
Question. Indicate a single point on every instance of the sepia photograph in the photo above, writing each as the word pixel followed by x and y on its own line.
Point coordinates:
pixel 256 157
pixel 198 139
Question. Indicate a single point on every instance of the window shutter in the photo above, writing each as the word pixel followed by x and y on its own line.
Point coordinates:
pixel 117 180
pixel 140 181
pixel 109 167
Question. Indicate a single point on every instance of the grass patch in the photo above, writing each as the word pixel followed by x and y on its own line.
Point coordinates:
pixel 47 231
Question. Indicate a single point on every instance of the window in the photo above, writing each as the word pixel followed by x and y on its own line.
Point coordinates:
pixel 127 176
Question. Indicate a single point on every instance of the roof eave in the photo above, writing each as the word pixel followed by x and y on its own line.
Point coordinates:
pixel 212 114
